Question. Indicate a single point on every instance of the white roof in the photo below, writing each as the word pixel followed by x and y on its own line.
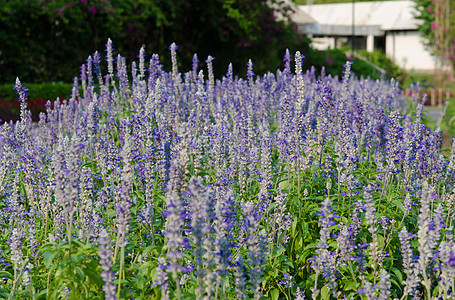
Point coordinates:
pixel 297 15
pixel 388 15
pixel 301 17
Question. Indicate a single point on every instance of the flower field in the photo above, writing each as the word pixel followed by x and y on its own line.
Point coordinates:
pixel 147 184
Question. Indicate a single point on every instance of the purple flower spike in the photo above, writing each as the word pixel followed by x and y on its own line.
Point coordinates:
pixel 20 90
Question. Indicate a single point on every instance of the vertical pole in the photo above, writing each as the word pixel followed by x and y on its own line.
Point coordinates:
pixel 353 28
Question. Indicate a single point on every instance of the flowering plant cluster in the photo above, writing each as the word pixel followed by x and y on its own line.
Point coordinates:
pixel 170 185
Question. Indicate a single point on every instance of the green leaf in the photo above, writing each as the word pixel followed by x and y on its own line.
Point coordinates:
pixel 350 285
pixel 275 294
pixel 5 274
pixel 4 294
pixel 398 274
pixel 277 251
pixel 48 257
pixel 293 227
pixel 288 263
pixel 399 204
pixel 325 293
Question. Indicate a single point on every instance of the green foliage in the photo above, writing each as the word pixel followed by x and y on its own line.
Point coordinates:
pixel 381 60
pixel 38 94
pixel 46 90
pixel 437 26
pixel 426 14
pixel 333 60
pixel 38 37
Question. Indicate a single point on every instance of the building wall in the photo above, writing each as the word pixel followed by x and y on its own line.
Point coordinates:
pixel 406 49
pixel 323 43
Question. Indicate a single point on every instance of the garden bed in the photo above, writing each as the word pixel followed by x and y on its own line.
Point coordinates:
pixel 170 185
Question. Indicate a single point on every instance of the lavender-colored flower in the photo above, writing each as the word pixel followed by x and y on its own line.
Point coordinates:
pixel 280 221
pixel 384 285
pixel 202 215
pixel 175 210
pixel 105 252
pixel 96 66
pixel 428 234
pixel 324 262
pixel 122 76
pixel 287 62
pixel 21 91
pixel 26 278
pixel 24 114
pixel 211 82
pixel 370 215
pixel 345 243
pixel 15 243
pixel 250 72
pixel 240 276
pixel 175 72
pixel 446 267
pixel 141 63
pixel 124 202
pixel 287 282
pixel 89 71
pixel 299 295
pixel 256 242
pixel 109 58
pixel 224 230
pixel 409 266
pixel 162 280
pixel 369 290
pixel 195 64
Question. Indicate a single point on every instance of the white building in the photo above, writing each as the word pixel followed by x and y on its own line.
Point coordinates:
pixel 387 26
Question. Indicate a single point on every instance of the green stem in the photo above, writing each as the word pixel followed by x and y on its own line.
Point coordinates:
pixel 315 290
pixel 14 282
pixel 352 272
pixel 216 287
pixel 427 285
pixel 339 185
pixel 122 257
pixel 48 282
pixel 116 248
pixel 177 282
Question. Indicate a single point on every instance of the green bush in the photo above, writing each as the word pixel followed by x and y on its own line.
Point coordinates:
pixel 391 68
pixel 334 59
pixel 47 40
pixel 48 90
pixel 38 95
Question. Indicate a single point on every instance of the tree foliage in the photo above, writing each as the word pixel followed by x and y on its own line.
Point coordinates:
pixel 47 40
pixel 437 27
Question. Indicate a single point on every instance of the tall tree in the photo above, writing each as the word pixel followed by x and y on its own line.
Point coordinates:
pixel 437 27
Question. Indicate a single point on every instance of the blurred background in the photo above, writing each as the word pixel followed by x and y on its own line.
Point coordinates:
pixel 44 42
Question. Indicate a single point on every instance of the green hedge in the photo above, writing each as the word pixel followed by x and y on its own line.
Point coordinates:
pixel 47 90
pixel 333 61
pixel 380 59
pixel 39 94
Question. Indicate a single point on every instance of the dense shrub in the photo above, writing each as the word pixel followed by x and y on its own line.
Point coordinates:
pixel 380 59
pixel 46 40
pixel 333 60
pixel 39 94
